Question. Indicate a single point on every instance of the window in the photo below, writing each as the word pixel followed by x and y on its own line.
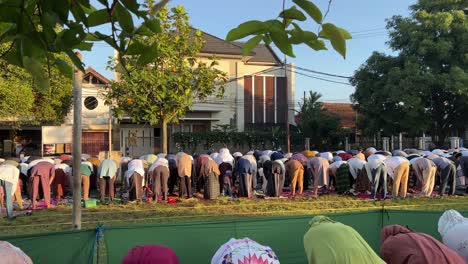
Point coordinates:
pixel 91 102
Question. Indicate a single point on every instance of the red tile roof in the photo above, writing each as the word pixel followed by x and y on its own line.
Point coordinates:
pixel 345 111
pixel 96 74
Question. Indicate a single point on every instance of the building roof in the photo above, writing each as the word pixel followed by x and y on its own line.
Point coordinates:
pixel 217 45
pixel 345 111
pixel 97 75
pixel 260 54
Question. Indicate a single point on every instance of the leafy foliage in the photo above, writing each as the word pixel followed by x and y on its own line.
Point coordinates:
pixel 322 127
pixel 424 87
pixel 163 89
pixel 21 100
pixel 285 33
pixel 29 26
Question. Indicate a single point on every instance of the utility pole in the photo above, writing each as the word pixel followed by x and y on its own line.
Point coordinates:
pixel 288 136
pixel 77 98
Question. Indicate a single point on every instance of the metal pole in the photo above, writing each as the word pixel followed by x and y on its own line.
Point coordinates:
pixel 76 211
pixel 288 136
pixel 110 133
pixel 400 141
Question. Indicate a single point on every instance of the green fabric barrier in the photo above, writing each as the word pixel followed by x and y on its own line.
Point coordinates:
pixel 197 242
pixel 59 247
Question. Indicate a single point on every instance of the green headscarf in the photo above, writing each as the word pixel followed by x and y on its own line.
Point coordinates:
pixel 331 242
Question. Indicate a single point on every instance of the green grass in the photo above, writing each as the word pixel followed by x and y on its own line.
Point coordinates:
pixel 59 218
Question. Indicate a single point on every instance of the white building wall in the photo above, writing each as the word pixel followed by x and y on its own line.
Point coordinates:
pixel 231 107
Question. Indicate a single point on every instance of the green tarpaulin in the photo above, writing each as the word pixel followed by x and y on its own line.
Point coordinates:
pixel 60 247
pixel 196 242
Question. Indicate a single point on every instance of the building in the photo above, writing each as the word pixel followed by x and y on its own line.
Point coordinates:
pixel 348 117
pixel 256 96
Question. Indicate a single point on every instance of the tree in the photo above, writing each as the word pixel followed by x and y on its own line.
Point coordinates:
pixel 321 126
pixel 426 84
pixel 161 91
pixel 21 101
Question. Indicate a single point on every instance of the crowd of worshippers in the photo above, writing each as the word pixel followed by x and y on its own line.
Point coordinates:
pixel 326 241
pixel 151 177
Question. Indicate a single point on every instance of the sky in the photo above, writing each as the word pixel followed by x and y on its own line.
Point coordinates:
pixel 365 19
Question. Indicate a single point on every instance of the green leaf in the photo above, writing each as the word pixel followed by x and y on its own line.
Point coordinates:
pixel 84 46
pixel 125 18
pixel 297 34
pixel 98 18
pixel 293 13
pixel 245 29
pixel 76 61
pixel 251 44
pixel 132 5
pixel 336 38
pixel 154 25
pixel 64 67
pixel 345 33
pixel 280 38
pixel 316 44
pixel 148 55
pixel 34 67
pixel 311 9
pixel 136 48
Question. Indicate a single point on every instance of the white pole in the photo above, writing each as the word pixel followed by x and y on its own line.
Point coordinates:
pixel 77 101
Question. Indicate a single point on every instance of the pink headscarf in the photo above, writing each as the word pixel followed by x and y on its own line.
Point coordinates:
pixel 12 255
pixel 401 245
pixel 151 254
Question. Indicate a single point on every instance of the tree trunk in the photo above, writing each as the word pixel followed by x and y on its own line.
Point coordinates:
pixel 164 136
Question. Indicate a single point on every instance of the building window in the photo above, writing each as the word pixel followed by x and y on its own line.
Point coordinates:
pixel 91 102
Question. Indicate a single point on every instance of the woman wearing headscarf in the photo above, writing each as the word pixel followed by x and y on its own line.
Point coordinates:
pixel 184 168
pixel 159 175
pixel 333 168
pixel 268 179
pixel 9 177
pixel 253 162
pixel 135 176
pixel 447 171
pixel 453 229
pixel 244 251
pixel 43 172
pixel 295 170
pixel 210 173
pixel 173 173
pixel 357 168
pixel 328 241
pixel 398 170
pixel 244 172
pixel 377 170
pixel 10 254
pixel 107 173
pixel 151 254
pixel 319 168
pixel 425 171
pixel 60 183
pixel 401 245
pixel 275 184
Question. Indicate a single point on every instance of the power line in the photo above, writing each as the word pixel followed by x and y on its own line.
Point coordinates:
pixel 318 78
pixel 323 73
pixel 367 30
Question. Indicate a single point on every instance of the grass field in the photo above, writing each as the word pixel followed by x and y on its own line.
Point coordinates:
pixel 59 218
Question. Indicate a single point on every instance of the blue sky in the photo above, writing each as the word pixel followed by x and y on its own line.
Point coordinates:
pixel 366 18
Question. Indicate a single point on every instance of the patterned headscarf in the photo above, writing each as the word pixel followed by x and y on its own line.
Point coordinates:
pixel 244 251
